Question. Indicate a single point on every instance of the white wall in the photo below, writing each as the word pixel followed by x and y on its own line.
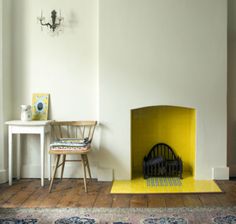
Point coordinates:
pixel 163 52
pixel 64 65
pixel 231 156
pixel 155 52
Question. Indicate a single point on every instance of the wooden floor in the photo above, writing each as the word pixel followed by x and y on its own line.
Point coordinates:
pixel 27 193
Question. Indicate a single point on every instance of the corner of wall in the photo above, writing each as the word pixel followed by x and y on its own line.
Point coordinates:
pixel 232 170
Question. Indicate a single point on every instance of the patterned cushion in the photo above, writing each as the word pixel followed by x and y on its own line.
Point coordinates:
pixel 70 144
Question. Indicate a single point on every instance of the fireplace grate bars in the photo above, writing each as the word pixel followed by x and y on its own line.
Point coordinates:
pixel 161 161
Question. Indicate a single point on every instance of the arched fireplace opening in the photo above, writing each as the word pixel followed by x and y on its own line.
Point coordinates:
pixel 171 125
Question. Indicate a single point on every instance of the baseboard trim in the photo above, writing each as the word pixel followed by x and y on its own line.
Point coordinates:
pixel 31 171
pixel 220 173
pixel 3 176
pixel 72 170
pixel 104 174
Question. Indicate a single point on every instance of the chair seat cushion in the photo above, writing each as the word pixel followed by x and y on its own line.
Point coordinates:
pixel 70 144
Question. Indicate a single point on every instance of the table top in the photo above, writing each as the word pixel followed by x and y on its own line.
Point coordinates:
pixel 28 123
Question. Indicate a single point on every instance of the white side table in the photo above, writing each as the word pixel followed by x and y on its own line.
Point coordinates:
pixel 28 127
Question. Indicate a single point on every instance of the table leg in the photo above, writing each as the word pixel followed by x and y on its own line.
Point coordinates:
pixel 10 156
pixel 42 135
pixel 48 156
pixel 18 156
pixel 49 166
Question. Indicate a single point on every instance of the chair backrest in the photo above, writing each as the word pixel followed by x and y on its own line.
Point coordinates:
pixel 73 129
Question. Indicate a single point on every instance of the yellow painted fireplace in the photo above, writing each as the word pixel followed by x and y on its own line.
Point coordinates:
pixel 175 126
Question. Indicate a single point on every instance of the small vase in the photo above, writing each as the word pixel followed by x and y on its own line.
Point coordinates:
pixel 26 113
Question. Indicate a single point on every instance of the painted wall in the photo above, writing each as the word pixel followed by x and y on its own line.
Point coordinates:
pixel 64 65
pixel 163 52
pixel 156 52
pixel 231 158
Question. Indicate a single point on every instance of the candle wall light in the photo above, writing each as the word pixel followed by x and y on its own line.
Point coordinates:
pixel 55 23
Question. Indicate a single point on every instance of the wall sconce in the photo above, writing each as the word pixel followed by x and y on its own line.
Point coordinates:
pixel 56 21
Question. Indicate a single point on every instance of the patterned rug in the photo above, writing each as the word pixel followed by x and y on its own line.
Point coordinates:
pixel 203 215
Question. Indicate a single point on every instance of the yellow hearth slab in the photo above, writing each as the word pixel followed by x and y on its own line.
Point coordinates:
pixel 188 185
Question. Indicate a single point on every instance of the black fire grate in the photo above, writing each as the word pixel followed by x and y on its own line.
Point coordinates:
pixel 161 161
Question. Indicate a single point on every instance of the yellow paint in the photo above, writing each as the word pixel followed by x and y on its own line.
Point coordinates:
pixel 175 126
pixel 189 185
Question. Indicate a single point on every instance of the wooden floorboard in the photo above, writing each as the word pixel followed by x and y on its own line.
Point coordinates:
pixel 174 201
pixel 120 201
pixel 27 193
pixel 191 200
pixel 138 201
pixel 209 200
pixel 156 201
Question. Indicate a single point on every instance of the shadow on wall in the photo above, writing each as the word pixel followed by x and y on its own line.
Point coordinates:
pixel 108 160
pixel 19 57
pixel 73 20
pixel 231 149
pixel 231 88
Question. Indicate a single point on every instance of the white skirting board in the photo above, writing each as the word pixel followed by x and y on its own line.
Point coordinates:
pixel 220 173
pixel 72 170
pixel 3 176
pixel 100 173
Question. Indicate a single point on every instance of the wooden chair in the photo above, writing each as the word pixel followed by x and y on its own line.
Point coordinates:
pixel 71 137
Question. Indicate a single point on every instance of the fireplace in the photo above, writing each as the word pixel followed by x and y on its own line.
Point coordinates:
pixel 163 134
pixel 175 126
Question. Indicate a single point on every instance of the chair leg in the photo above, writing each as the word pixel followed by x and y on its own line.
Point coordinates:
pixel 54 172
pixel 63 165
pixel 84 169
pixel 87 164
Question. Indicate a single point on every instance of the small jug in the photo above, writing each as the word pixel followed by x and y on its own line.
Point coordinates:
pixel 26 113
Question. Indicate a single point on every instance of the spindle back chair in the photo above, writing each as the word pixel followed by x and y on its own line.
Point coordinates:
pixel 71 137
